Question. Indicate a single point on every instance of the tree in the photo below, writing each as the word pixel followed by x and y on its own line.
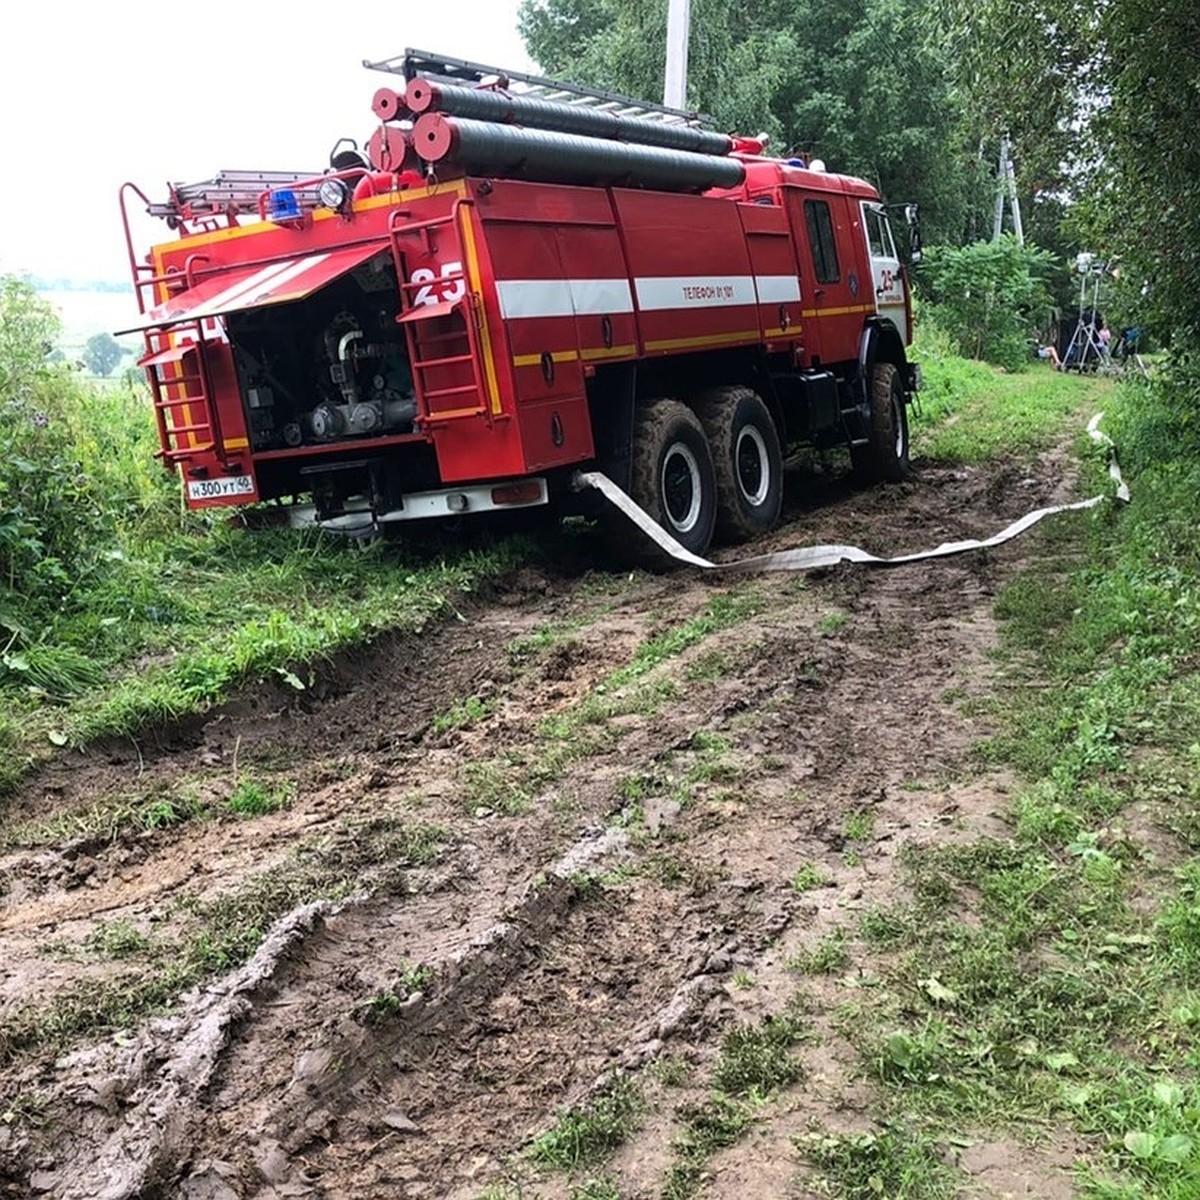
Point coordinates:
pixel 28 328
pixel 988 296
pixel 1145 207
pixel 1106 100
pixel 101 354
pixel 858 83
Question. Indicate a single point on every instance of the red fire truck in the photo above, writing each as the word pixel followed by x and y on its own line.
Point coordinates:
pixel 516 279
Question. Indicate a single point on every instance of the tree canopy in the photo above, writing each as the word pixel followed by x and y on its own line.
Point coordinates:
pixel 1101 99
pixel 101 354
pixel 858 83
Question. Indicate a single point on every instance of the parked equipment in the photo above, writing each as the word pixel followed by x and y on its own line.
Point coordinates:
pixel 518 279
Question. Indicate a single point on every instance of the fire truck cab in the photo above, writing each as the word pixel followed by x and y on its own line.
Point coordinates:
pixel 505 288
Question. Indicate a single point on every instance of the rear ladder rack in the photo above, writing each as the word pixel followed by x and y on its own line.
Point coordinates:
pixel 230 192
pixel 182 398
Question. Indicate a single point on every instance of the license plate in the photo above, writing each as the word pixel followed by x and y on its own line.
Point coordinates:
pixel 220 489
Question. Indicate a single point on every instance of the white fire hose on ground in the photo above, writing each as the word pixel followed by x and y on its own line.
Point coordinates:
pixel 807 557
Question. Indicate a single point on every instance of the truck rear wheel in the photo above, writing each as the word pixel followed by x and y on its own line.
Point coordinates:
pixel 672 474
pixel 747 460
pixel 885 456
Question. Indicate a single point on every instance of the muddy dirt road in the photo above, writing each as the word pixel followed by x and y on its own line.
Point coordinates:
pixel 556 847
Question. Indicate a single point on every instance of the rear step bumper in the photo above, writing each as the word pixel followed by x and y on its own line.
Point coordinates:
pixel 503 495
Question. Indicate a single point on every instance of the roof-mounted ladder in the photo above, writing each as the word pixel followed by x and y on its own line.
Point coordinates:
pixel 443 69
pixel 230 191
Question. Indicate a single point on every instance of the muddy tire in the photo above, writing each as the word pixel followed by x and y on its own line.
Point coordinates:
pixel 747 460
pixel 672 475
pixel 885 456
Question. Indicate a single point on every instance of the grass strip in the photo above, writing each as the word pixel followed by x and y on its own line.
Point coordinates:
pixel 754 1062
pixel 1050 979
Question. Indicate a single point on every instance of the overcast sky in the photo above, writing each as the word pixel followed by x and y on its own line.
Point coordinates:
pixel 94 94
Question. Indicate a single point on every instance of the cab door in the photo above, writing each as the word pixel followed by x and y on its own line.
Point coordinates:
pixel 885 267
pixel 825 226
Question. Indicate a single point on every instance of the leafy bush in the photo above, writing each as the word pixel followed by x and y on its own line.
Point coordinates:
pixel 44 543
pixel 1161 423
pixel 987 296
pixel 73 492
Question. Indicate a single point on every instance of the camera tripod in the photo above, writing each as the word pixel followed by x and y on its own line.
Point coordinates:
pixel 1085 345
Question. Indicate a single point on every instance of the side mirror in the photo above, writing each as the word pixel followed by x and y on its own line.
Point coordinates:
pixel 913 217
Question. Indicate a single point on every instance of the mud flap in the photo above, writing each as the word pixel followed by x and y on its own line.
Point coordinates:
pixel 808 557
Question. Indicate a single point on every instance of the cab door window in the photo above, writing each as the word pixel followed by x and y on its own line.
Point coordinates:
pixel 885 267
pixel 821 239
pixel 875 236
pixel 879 233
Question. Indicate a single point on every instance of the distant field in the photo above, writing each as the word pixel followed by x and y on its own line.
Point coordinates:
pixel 85 313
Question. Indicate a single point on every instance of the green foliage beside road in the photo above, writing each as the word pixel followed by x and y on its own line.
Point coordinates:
pixel 117 607
pixel 988 296
pixel 1049 977
pixel 62 485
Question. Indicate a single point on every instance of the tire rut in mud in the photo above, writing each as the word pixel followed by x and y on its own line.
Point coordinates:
pixel 727 765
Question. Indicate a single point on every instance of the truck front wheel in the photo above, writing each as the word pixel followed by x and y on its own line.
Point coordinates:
pixel 672 474
pixel 747 460
pixel 885 454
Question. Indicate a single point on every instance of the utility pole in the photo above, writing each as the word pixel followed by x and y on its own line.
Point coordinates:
pixel 1006 189
pixel 679 23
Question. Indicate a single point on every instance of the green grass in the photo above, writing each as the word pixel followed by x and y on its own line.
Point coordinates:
pixel 860 825
pixel 107 941
pixel 269 602
pixel 496 785
pixel 831 622
pixel 111 818
pixel 970 412
pixel 868 1166
pixel 827 957
pixel 809 877
pixel 587 1134
pixel 253 798
pixel 754 1062
pixel 413 978
pixel 709 666
pixel 602 1188
pixel 706 1128
pixel 463 715
pixel 160 807
pixel 212 609
pixel 758 1058
pixel 1050 978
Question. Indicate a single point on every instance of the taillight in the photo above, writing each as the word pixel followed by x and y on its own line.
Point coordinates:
pixel 528 491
